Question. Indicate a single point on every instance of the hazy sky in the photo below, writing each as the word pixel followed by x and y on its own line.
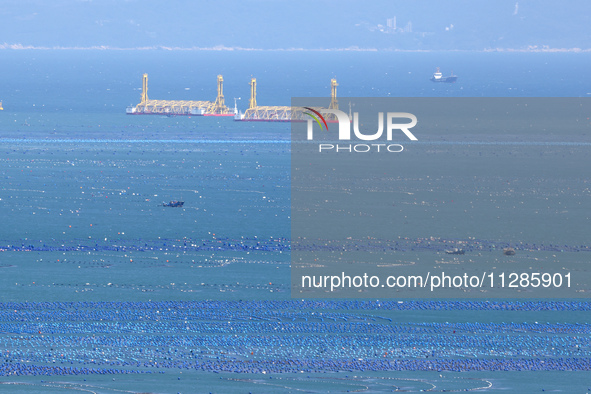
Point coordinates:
pixel 273 24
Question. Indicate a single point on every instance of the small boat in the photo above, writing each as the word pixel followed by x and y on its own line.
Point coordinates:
pixel 455 251
pixel 173 204
pixel 508 251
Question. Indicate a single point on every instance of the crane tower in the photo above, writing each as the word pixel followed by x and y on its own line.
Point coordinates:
pixel 253 94
pixel 145 88
pixel 334 103
pixel 219 107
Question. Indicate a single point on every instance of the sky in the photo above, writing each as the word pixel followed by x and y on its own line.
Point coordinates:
pixel 302 24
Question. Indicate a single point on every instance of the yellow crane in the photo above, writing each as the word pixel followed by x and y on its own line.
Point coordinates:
pixel 145 88
pixel 334 104
pixel 219 107
pixel 253 94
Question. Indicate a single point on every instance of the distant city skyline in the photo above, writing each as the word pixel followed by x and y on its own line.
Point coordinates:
pixel 283 25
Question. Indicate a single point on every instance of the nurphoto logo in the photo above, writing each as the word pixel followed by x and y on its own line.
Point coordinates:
pixel 344 134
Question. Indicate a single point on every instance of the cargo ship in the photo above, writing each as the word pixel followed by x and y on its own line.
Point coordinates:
pixel 438 77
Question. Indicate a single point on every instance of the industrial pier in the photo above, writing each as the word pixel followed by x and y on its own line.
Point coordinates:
pixel 265 113
pixel 254 113
pixel 181 107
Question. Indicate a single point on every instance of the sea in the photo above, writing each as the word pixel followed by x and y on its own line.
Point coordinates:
pixel 105 290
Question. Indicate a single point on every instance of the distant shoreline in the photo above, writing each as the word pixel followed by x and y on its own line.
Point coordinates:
pixel 529 49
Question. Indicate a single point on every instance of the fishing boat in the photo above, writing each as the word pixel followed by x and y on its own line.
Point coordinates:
pixel 173 204
pixel 508 251
pixel 455 251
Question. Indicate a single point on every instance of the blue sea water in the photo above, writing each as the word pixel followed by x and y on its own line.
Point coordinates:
pixel 97 276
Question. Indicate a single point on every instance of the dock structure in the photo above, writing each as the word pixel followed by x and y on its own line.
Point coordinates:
pixel 180 107
pixel 276 113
